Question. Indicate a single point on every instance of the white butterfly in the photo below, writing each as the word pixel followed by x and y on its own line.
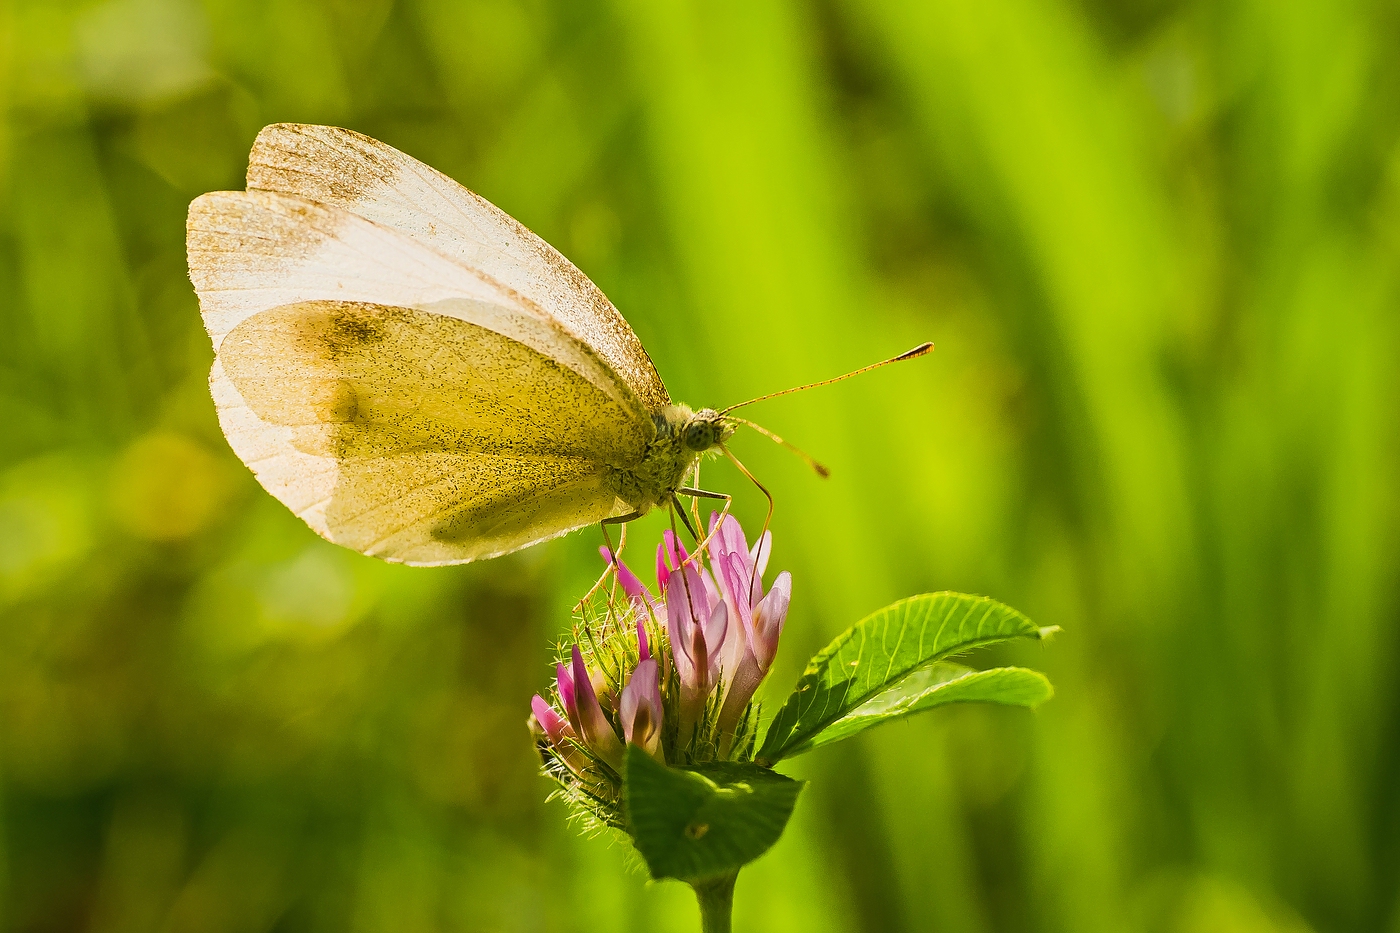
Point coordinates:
pixel 414 373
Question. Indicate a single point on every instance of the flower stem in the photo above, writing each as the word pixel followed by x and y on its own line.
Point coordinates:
pixel 716 897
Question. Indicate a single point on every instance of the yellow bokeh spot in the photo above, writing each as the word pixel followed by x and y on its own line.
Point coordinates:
pixel 166 487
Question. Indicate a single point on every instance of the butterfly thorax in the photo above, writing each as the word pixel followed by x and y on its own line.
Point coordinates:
pixel 682 435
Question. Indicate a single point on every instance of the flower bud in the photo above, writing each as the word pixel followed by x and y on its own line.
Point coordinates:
pixel 697 630
pixel 686 689
pixel 592 725
pixel 632 586
pixel 641 711
pixel 557 731
pixel 760 616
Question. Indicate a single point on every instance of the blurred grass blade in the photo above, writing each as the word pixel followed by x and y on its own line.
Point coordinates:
pixel 932 687
pixel 879 652
pixel 710 821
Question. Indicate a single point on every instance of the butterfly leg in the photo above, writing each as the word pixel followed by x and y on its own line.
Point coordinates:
pixel 704 494
pixel 767 519
pixel 685 520
pixel 695 500
pixel 693 558
pixel 622 520
pixel 611 570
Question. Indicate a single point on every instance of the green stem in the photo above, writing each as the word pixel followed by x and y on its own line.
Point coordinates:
pixel 716 897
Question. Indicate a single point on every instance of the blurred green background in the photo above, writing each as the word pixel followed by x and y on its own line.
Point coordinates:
pixel 1156 244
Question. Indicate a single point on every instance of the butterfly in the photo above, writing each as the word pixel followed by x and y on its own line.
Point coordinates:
pixel 415 374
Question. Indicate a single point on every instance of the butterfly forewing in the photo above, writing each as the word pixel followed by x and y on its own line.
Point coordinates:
pixel 373 180
pixel 254 250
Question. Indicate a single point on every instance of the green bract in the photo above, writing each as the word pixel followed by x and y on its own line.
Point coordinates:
pixel 859 680
pixel 703 823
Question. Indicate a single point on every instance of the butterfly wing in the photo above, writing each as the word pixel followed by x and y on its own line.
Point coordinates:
pixel 446 441
pixel 250 251
pixel 474 425
pixel 377 182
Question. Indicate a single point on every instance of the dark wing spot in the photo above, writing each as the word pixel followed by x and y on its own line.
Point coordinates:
pixel 342 403
pixel 355 326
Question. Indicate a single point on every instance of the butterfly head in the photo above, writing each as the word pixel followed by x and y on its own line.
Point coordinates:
pixel 706 429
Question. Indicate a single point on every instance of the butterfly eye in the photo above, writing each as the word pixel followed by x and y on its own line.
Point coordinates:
pixel 700 434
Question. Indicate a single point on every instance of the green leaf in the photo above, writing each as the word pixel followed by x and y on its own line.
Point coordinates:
pixel 936 686
pixel 699 823
pixel 879 652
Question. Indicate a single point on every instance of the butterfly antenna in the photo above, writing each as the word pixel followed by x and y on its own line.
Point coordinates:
pixel 918 351
pixel 819 468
